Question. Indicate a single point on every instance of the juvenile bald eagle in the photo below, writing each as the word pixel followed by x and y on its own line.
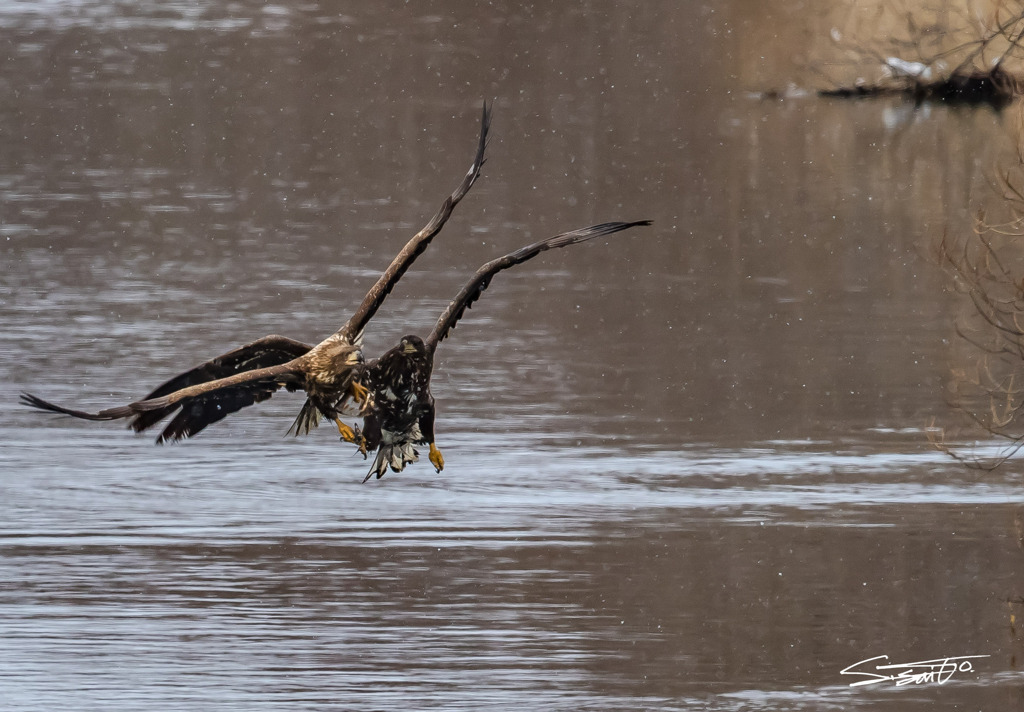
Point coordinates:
pixel 400 410
pixel 328 372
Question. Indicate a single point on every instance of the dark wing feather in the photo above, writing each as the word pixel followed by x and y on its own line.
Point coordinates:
pixel 269 351
pixel 415 247
pixel 253 372
pixel 205 403
pixel 203 410
pixel 199 412
pixel 109 414
pixel 201 404
pixel 472 291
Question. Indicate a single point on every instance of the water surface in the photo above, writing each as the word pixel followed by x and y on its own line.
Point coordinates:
pixel 687 466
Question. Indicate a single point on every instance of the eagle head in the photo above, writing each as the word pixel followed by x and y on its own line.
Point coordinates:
pixel 412 344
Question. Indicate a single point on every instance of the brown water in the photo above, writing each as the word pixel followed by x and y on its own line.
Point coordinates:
pixel 687 466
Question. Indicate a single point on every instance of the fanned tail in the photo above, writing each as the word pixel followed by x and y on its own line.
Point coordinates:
pixel 395 456
pixel 307 419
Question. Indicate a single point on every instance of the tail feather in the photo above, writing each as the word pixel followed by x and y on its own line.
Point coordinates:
pixel 394 456
pixel 308 419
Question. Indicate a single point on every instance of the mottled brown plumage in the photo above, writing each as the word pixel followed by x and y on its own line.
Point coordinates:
pixel 400 411
pixel 328 372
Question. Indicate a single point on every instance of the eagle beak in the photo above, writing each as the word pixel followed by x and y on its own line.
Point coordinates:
pixel 409 349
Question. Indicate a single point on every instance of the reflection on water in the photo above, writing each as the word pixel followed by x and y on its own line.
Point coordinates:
pixel 685 469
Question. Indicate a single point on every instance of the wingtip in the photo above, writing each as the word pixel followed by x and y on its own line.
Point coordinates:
pixel 620 226
pixel 30 401
pixel 631 223
pixel 33 401
pixel 485 128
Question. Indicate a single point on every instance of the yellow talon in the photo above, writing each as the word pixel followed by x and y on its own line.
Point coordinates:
pixel 435 457
pixel 351 435
pixel 347 433
pixel 360 393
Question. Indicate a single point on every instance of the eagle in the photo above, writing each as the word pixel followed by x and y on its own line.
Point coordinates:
pixel 329 372
pixel 399 412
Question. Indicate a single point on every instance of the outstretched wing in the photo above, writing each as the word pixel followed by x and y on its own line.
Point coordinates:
pixel 201 404
pixel 472 291
pixel 200 411
pixel 415 247
pixel 271 350
pixel 253 372
pixel 206 403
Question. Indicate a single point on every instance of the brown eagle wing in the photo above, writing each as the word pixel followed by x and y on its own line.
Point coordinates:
pixel 252 373
pixel 201 410
pixel 271 350
pixel 108 414
pixel 472 291
pixel 415 247
pixel 201 404
pixel 205 403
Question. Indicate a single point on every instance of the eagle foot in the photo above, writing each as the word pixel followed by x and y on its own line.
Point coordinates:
pixel 435 458
pixel 360 393
pixel 353 435
pixel 347 433
pixel 361 441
